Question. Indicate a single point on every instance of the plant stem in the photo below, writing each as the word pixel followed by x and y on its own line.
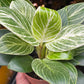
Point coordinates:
pixel 41 51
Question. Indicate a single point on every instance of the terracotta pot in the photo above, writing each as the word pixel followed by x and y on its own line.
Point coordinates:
pixel 23 78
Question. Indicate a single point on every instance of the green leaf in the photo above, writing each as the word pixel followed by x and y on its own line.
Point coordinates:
pixel 72 14
pixel 69 38
pixel 79 59
pixel 11 44
pixel 5 59
pixel 24 8
pixel 18 24
pixel 72 71
pixel 3 31
pixel 21 64
pixel 78 51
pixel 80 78
pixel 52 71
pixel 6 3
pixel 46 24
pixel 60 55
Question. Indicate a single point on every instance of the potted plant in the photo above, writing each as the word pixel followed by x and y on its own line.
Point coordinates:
pixel 56 36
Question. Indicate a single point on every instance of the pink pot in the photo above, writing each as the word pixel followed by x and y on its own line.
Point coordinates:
pixel 23 78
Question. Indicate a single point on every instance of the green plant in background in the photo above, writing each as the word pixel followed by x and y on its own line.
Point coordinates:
pixel 56 36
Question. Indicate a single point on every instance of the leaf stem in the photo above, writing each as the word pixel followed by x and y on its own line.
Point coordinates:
pixel 41 51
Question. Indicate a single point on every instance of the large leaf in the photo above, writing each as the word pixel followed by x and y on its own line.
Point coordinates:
pixel 23 7
pixel 11 44
pixel 80 78
pixel 52 71
pixel 72 14
pixel 5 59
pixel 60 55
pixel 21 64
pixel 18 24
pixel 72 71
pixel 69 38
pixel 46 24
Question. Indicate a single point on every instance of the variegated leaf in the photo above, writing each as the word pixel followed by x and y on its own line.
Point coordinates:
pixel 72 71
pixel 18 24
pixel 78 51
pixel 69 38
pixel 72 14
pixel 6 3
pixel 52 71
pixel 46 24
pixel 24 8
pixel 60 55
pixel 11 44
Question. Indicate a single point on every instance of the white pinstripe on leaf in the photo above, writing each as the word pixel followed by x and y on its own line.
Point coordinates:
pixel 69 38
pixel 72 14
pixel 11 44
pixel 18 24
pixel 46 24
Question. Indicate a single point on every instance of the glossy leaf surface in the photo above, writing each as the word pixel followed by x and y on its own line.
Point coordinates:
pixel 69 38
pixel 72 14
pixel 21 64
pixel 46 24
pixel 18 24
pixel 11 44
pixel 52 71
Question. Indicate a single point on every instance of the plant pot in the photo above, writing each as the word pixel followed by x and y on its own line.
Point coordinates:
pixel 23 78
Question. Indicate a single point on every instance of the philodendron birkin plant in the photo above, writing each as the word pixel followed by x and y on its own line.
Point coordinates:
pixel 56 36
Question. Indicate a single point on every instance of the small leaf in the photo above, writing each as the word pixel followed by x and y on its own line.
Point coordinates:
pixel 46 24
pixel 3 31
pixel 80 78
pixel 18 24
pixel 5 59
pixel 11 44
pixel 60 56
pixel 72 71
pixel 24 8
pixel 52 71
pixel 72 14
pixel 21 64
pixel 69 38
